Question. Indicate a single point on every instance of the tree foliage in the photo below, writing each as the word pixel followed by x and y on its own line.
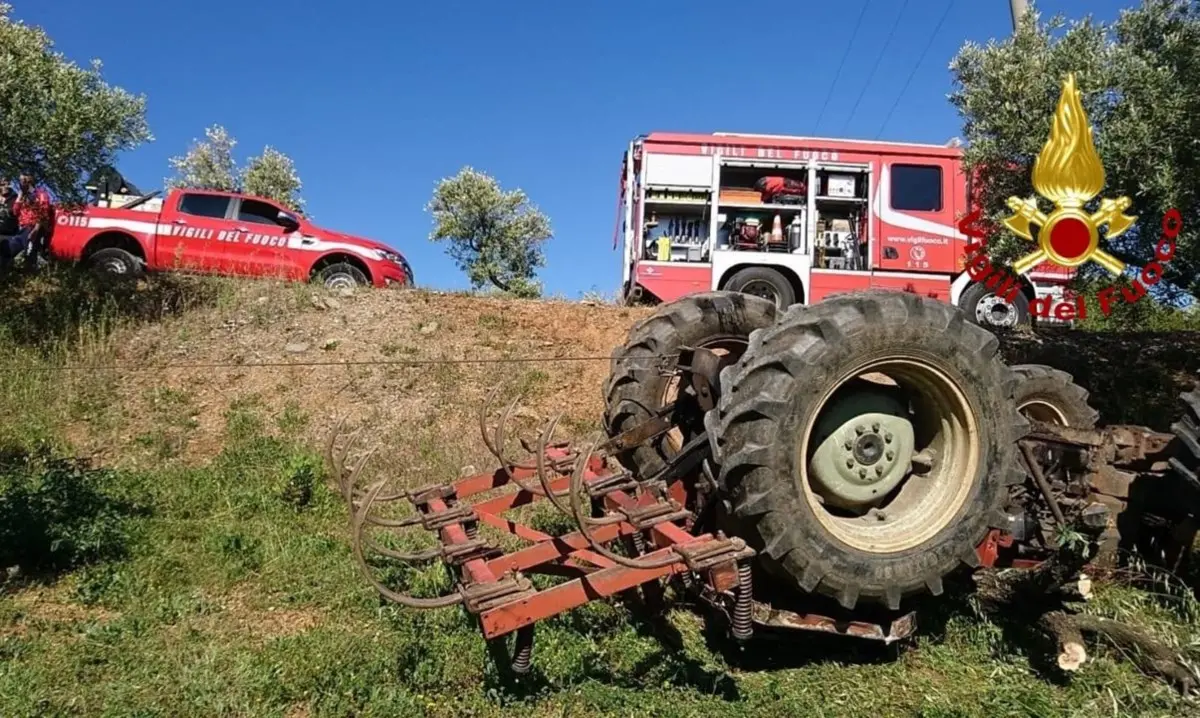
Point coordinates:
pixel 1140 81
pixel 273 174
pixel 495 236
pixel 210 164
pixel 59 121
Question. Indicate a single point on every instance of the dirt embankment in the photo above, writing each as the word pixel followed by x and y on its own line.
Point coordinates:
pixel 413 368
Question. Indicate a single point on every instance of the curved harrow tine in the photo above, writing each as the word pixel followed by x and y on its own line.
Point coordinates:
pixel 577 496
pixel 342 480
pixel 357 525
pixel 543 444
pixel 496 440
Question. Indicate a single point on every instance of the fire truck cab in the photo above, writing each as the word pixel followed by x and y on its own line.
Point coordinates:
pixel 795 219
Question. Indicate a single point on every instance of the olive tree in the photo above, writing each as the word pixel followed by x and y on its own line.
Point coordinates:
pixel 207 164
pixel 59 121
pixel 1140 81
pixel 210 164
pixel 273 175
pixel 494 235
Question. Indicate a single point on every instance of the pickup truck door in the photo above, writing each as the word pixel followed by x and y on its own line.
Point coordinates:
pixel 188 232
pixel 263 240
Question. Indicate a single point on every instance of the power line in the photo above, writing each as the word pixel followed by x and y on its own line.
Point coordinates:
pixel 344 363
pixel 846 53
pixel 913 73
pixel 878 60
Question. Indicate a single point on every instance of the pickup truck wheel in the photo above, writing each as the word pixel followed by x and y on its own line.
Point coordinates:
pixel 115 262
pixel 342 276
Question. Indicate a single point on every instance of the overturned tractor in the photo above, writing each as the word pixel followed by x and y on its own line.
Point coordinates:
pixel 817 470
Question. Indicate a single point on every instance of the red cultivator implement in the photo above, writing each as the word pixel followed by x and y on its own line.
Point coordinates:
pixel 691 486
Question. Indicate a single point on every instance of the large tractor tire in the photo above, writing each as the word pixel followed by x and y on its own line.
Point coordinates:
pixel 867 445
pixel 643 377
pixel 1051 396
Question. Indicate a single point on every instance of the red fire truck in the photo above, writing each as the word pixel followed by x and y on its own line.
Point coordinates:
pixel 795 219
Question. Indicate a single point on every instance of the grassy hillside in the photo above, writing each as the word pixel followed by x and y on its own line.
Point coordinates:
pixel 199 564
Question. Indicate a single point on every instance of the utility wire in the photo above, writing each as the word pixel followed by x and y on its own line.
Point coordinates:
pixel 846 53
pixel 878 60
pixel 345 363
pixel 913 73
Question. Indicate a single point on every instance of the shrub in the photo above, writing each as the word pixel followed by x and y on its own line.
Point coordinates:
pixel 59 513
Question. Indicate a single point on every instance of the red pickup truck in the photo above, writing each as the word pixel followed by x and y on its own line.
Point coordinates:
pixel 220 233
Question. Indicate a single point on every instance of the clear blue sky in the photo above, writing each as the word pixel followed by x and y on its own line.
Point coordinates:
pixel 376 100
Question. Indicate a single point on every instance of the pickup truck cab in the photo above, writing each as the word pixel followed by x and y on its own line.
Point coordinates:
pixel 213 232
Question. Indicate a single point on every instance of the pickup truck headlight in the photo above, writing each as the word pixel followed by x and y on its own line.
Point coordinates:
pixel 400 260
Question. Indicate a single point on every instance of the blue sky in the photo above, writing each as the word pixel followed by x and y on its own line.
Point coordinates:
pixel 376 100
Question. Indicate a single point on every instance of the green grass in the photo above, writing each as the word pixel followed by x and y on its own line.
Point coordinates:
pixel 233 592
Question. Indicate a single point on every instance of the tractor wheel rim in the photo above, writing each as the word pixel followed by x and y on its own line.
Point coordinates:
pixel 729 349
pixel 763 289
pixel 1044 411
pixel 923 502
pixel 1047 413
pixel 996 311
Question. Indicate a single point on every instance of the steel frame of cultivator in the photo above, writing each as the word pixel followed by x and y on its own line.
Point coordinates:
pixel 650 518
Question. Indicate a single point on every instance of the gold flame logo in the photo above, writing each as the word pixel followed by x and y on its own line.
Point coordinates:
pixel 1068 172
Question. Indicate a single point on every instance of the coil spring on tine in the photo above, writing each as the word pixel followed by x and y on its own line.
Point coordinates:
pixel 743 625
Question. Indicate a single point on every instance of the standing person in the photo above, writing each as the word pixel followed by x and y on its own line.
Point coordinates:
pixel 11 239
pixel 35 215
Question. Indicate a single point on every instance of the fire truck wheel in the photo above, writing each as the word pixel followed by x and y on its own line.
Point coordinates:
pixel 643 379
pixel 986 309
pixel 763 282
pixel 342 276
pixel 867 445
pixel 115 262
pixel 1048 395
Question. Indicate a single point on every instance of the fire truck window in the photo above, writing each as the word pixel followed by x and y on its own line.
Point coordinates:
pixel 204 205
pixel 917 188
pixel 258 212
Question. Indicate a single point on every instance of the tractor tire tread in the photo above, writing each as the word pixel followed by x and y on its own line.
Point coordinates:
pixel 633 390
pixel 1057 387
pixel 787 365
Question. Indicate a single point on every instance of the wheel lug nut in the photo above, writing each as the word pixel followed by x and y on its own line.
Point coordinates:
pixel 849 463
pixel 890 455
pixel 887 438
pixel 879 471
pixel 862 473
pixel 860 429
pixel 875 427
pixel 849 445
